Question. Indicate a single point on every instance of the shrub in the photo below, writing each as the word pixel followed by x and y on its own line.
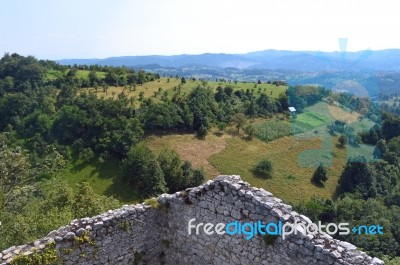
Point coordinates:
pixel 202 132
pixel 86 154
pixel 319 176
pixel 343 140
pixel 153 202
pixel 263 168
pixel 250 130
pixel 141 171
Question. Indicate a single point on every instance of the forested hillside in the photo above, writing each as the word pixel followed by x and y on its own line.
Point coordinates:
pixel 48 120
pixel 88 125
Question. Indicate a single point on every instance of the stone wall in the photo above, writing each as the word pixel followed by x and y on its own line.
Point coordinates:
pixel 143 234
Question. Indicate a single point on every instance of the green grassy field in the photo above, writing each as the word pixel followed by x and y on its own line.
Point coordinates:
pixel 84 74
pixel 290 180
pixel 53 74
pixel 169 86
pixel 105 179
pixel 312 117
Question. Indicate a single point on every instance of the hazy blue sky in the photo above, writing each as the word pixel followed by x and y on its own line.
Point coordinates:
pixel 88 29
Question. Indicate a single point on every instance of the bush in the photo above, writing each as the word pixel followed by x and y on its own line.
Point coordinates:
pixel 250 130
pixel 343 139
pixel 221 126
pixel 141 171
pixel 202 132
pixel 263 168
pixel 86 155
pixel 319 176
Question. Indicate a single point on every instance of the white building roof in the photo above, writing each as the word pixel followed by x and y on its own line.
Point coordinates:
pixel 292 109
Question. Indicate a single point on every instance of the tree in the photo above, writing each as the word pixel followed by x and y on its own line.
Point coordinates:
pixel 93 79
pixel 87 203
pixel 343 139
pixel 357 176
pixel 203 106
pixel 319 176
pixel 284 101
pixel 202 132
pixel 239 119
pixel 251 110
pixel 391 126
pixel 193 177
pixel 170 163
pixel 14 173
pixel 221 126
pixel 250 130
pixel 141 171
pixel 183 80
pixel 86 155
pixel 263 168
pixel 111 78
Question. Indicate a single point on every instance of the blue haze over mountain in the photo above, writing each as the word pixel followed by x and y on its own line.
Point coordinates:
pixel 386 60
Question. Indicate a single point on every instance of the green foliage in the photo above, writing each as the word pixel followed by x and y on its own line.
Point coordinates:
pixel 46 118
pixel 250 130
pixel 43 208
pixel 202 104
pixel 221 126
pixel 171 165
pixel 272 129
pixel 202 132
pixel 391 261
pixel 87 203
pixel 141 170
pixel 320 175
pixel 390 126
pixel 86 154
pixel 165 116
pixel 15 173
pixel 48 256
pixel 239 120
pixel 125 226
pixel 153 202
pixel 343 140
pixel 85 238
pixel 302 96
pixel 318 209
pixel 138 257
pixel 371 212
pixel 394 145
pixel 358 176
pixel 21 69
pixel 263 168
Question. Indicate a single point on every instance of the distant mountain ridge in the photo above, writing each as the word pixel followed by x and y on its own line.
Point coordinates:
pixel 385 60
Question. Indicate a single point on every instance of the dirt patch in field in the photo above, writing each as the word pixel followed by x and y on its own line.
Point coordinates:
pixel 339 114
pixel 190 148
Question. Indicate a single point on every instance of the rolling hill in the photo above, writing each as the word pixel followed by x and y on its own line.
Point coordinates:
pixel 269 59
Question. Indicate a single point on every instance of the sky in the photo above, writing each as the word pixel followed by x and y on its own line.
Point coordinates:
pixel 49 29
